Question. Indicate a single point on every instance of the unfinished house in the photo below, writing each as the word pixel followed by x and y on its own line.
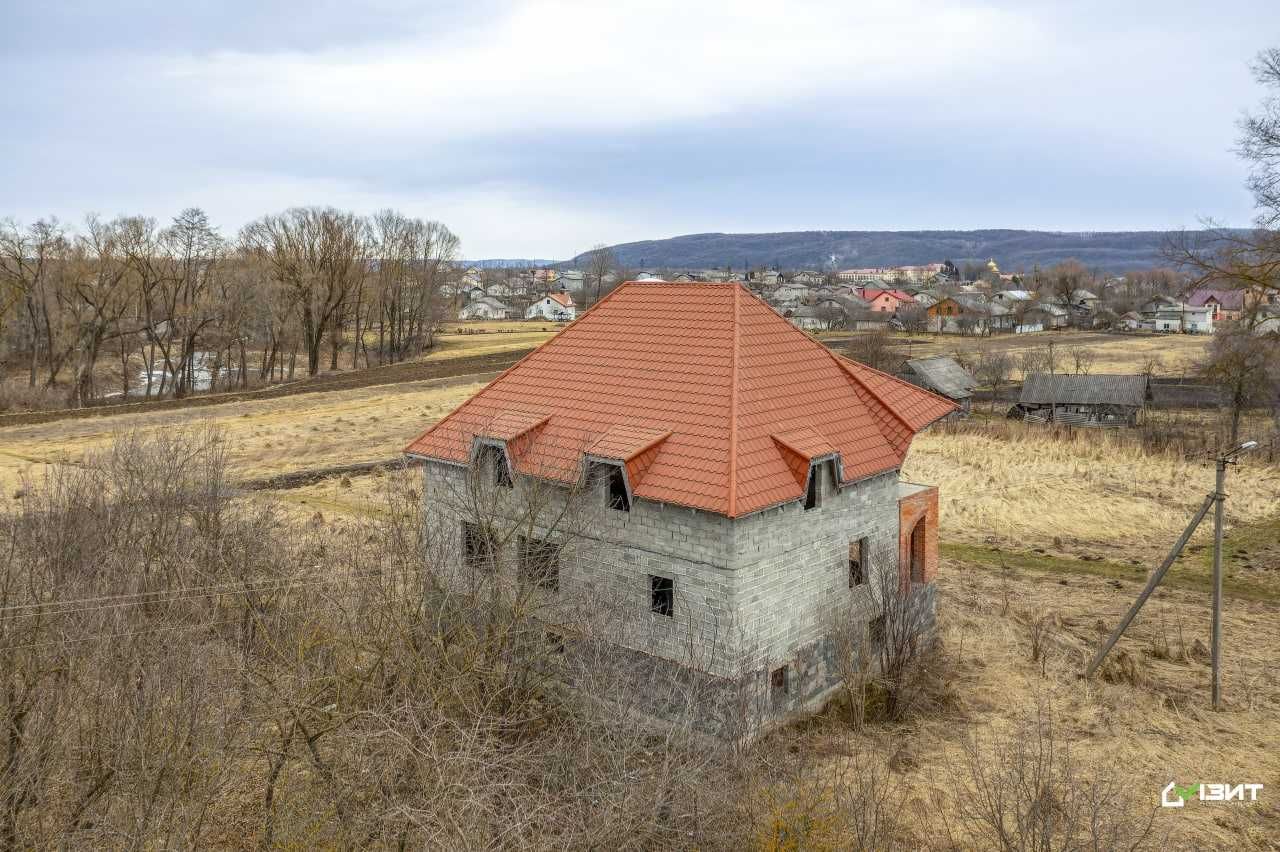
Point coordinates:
pixel 733 487
pixel 1108 401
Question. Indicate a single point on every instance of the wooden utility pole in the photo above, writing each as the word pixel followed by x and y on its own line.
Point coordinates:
pixel 1216 499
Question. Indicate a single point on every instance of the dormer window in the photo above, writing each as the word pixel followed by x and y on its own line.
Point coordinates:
pixel 615 484
pixel 495 460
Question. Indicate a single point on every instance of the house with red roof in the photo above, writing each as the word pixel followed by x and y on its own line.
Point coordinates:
pixel 554 307
pixel 887 301
pixel 731 485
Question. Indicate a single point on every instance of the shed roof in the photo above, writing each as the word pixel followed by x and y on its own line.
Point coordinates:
pixel 1046 389
pixel 706 385
pixel 944 375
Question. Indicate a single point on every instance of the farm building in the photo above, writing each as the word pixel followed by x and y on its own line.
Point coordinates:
pixel 737 486
pixel 944 376
pixel 1105 400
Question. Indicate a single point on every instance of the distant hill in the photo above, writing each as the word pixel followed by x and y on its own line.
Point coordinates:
pixel 507 263
pixel 1110 251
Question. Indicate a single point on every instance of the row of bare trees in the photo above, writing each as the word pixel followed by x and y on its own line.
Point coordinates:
pixel 167 310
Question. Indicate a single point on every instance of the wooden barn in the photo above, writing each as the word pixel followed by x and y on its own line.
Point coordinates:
pixel 944 376
pixel 1107 401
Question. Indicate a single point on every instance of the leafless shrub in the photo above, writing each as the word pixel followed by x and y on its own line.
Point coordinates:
pixel 885 648
pixel 1024 789
pixel 800 797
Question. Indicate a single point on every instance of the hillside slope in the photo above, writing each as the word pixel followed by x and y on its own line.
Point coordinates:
pixel 1112 251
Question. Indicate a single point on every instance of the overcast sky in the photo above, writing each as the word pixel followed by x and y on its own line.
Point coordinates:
pixel 535 129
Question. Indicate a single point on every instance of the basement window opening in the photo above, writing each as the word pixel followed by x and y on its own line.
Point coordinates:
pixel 876 631
pixel 780 683
pixel 662 595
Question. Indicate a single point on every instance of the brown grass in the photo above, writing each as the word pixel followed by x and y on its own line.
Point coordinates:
pixel 1150 733
pixel 264 438
pixel 1113 353
pixel 1097 494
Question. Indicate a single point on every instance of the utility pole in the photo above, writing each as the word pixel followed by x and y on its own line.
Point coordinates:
pixel 1216 499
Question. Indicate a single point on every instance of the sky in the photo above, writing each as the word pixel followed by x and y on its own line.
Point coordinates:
pixel 538 129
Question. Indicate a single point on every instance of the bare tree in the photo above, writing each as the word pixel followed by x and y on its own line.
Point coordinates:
pixel 319 255
pixel 876 349
pixel 1245 368
pixel 1260 140
pixel 600 262
pixel 993 369
pixel 1081 359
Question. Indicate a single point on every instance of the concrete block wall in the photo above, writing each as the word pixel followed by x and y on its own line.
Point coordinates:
pixel 612 555
pixel 792 579
pixel 751 594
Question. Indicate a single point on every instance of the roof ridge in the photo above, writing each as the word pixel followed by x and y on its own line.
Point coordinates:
pixel 733 407
pixel 846 366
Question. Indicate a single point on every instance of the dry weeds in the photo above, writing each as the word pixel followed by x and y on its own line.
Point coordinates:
pixel 1097 495
pixel 264 438
pixel 1157 731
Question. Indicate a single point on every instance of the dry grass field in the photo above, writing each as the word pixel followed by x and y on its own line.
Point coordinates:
pixel 1174 354
pixel 1094 502
pixel 1143 725
pixel 264 438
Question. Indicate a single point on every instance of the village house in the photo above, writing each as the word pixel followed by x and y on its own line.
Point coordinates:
pixel 501 289
pixel 1011 297
pixel 967 313
pixel 556 307
pixel 746 484
pixel 808 278
pixel 886 301
pixel 1083 300
pixel 1052 316
pixel 485 307
pixel 944 376
pixel 1165 314
pixel 789 292
pixel 1109 401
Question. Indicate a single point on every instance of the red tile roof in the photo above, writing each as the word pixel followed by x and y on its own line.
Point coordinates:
pixel 708 397
pixel 563 298
pixel 870 293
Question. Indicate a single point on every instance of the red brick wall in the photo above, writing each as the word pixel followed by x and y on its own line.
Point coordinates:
pixel 922 504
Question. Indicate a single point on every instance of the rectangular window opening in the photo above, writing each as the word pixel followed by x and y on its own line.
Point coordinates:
pixel 876 631
pixel 477 546
pixel 857 562
pixel 780 682
pixel 540 563
pixel 496 460
pixel 662 595
pixel 618 490
pixel 812 494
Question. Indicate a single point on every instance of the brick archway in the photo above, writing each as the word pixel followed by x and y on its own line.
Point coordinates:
pixel 918 550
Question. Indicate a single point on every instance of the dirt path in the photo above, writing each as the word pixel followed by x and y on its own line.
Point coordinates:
pixel 463 368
